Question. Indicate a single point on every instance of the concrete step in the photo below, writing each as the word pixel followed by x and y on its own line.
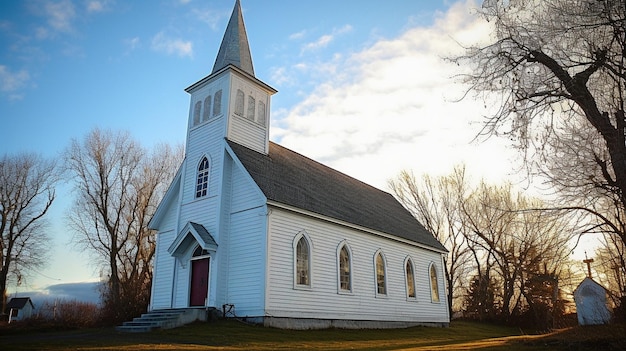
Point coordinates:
pixel 134 329
pixel 162 319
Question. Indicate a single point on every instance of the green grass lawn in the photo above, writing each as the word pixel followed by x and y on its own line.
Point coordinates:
pixel 234 335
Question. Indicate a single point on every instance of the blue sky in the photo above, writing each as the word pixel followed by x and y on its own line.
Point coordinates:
pixel 362 85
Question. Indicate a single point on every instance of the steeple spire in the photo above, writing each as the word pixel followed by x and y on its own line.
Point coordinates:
pixel 234 49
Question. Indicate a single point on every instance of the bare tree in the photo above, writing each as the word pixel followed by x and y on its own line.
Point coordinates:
pixel 27 190
pixel 521 243
pixel 558 70
pixel 118 185
pixel 436 203
pixel 610 264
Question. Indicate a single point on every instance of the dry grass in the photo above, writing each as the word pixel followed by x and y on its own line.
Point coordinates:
pixel 233 335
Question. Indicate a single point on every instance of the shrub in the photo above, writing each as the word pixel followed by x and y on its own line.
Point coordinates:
pixel 71 313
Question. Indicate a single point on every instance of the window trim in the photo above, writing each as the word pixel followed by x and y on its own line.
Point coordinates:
pixel 302 235
pixel 408 262
pixel 205 189
pixel 432 268
pixel 379 253
pixel 344 244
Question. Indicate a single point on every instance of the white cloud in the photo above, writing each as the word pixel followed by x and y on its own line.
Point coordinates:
pixel 389 107
pixel 210 17
pixel 298 35
pixel 161 42
pixel 12 82
pixel 60 15
pixel 325 39
pixel 95 6
pixel 132 43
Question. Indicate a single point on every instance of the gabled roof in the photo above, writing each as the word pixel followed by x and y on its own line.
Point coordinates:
pixel 589 282
pixel 289 178
pixel 190 234
pixel 19 302
pixel 235 49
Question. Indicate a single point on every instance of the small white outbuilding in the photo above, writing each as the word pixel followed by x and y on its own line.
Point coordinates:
pixel 591 304
pixel 20 308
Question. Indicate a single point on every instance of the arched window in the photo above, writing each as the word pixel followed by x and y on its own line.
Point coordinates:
pixel 217 103
pixel 410 278
pixel 239 103
pixel 261 115
pixel 251 107
pixel 345 269
pixel 381 280
pixel 303 269
pixel 434 286
pixel 207 109
pixel 196 113
pixel 203 178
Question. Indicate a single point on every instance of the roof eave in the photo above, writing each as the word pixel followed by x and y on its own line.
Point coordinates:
pixel 237 70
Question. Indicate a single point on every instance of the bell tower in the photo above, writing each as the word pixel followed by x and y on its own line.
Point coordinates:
pixel 231 102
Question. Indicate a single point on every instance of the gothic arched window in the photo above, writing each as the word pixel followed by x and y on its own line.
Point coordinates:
pixel 196 113
pixel 251 107
pixel 410 278
pixel 302 261
pixel 217 103
pixel 261 115
pixel 434 286
pixel 207 109
pixel 381 279
pixel 345 269
pixel 202 182
pixel 239 103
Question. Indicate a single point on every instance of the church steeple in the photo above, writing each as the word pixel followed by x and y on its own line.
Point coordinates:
pixel 234 49
pixel 230 102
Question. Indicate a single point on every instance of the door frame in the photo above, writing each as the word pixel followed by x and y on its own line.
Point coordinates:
pixel 203 256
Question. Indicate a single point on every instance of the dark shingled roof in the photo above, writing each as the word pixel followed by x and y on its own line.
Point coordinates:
pixel 289 178
pixel 234 49
pixel 19 302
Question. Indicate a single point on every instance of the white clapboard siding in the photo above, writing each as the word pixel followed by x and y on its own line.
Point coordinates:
pixel 204 140
pixel 163 272
pixel 247 130
pixel 181 282
pixel 246 278
pixel 248 133
pixel 243 251
pixel 323 300
pixel 245 194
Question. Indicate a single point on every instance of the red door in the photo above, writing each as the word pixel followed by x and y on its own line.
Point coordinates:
pixel 199 282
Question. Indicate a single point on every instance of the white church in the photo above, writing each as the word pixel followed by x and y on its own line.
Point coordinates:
pixel 266 234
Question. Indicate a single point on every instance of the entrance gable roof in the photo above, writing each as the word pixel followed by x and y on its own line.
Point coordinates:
pixel 192 232
pixel 287 177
